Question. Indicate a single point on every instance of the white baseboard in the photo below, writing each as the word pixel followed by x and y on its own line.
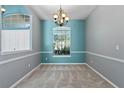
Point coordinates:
pixel 102 76
pixel 16 83
pixel 63 63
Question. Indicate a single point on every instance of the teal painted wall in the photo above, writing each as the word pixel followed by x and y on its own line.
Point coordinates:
pixel 77 42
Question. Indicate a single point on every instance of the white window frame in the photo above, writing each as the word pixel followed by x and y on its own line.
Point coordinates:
pixel 17 51
pixel 62 28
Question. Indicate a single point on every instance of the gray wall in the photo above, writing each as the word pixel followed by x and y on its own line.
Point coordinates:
pixel 14 70
pixel 0 26
pixel 105 31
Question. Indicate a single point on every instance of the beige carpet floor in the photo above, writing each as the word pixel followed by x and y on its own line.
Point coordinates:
pixel 63 76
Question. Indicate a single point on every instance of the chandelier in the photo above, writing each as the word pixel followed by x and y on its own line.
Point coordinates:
pixel 2 10
pixel 61 18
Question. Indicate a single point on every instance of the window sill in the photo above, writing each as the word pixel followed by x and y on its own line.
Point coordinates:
pixel 62 56
pixel 14 52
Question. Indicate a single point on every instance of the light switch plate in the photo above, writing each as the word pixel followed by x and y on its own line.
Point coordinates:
pixel 29 65
pixel 46 58
pixel 117 47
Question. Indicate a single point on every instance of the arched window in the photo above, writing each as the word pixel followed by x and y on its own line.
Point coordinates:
pixel 16 21
pixel 16 33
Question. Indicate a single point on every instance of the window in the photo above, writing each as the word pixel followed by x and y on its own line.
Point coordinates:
pixel 61 41
pixel 16 33
pixel 15 40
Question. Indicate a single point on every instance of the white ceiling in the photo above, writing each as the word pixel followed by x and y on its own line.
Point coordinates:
pixel 46 12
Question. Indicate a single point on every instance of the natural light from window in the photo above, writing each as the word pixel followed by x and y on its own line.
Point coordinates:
pixel 61 41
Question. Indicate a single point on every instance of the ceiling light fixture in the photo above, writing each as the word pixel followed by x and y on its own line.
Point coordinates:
pixel 61 18
pixel 2 10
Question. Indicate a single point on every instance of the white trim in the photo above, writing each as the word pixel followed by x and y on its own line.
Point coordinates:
pixel 107 57
pixel 62 28
pixel 71 52
pixel 63 63
pixel 102 76
pixel 78 51
pixel 17 58
pixel 17 82
pixel 28 55
pixel 61 56
pixel 46 52
pixel 14 52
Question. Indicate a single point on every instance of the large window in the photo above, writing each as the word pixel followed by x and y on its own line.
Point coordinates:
pixel 16 33
pixel 61 41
